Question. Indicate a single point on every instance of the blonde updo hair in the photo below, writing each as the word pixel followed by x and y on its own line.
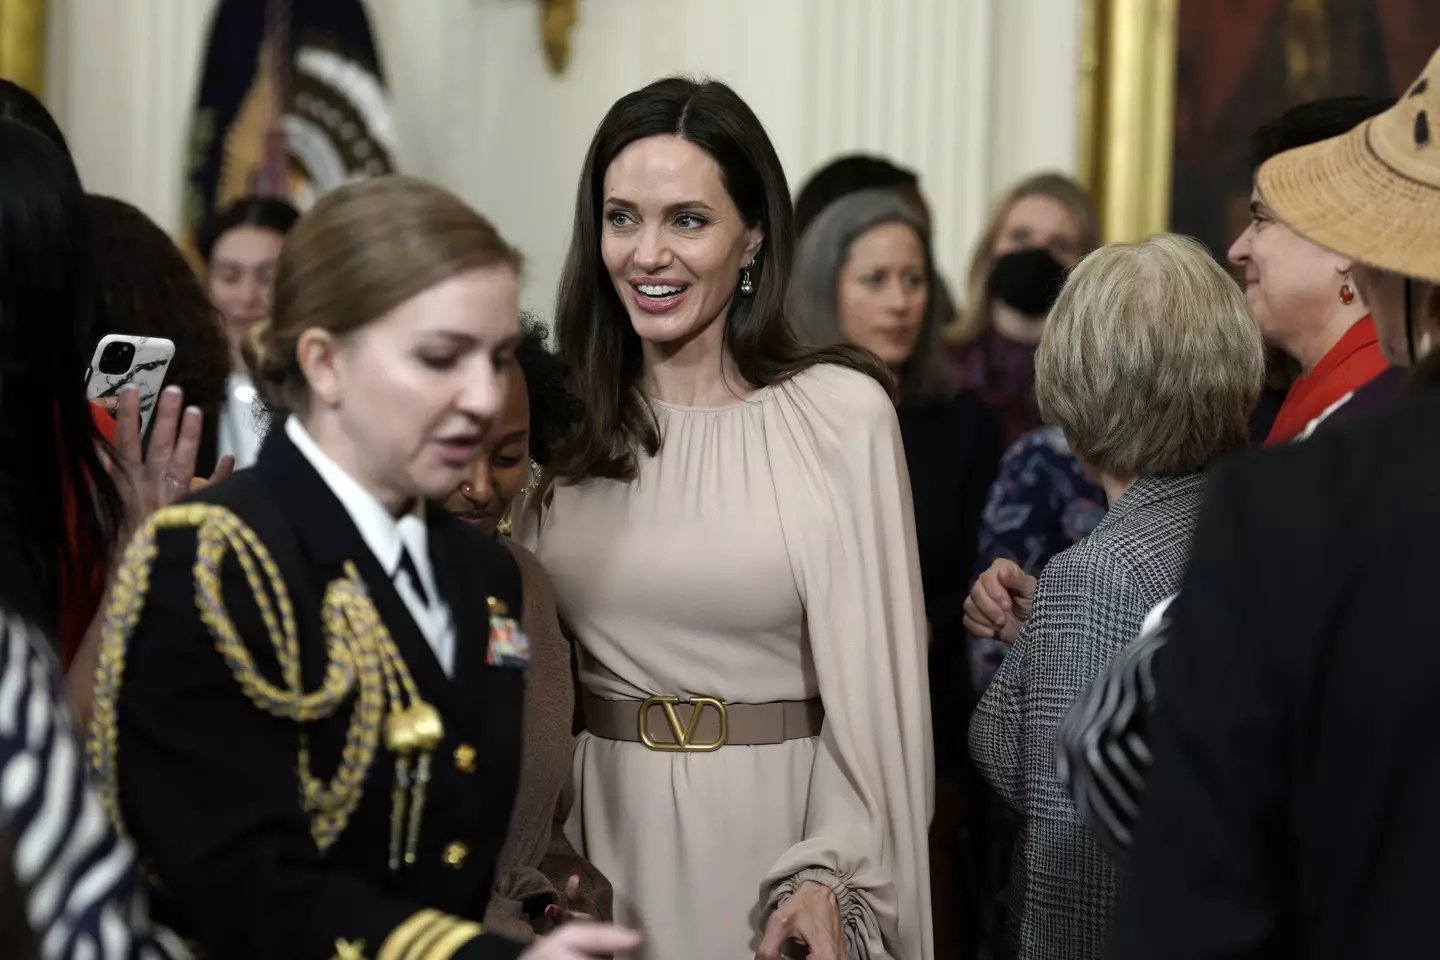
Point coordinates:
pixel 359 253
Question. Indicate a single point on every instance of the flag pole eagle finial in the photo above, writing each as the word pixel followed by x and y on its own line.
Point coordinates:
pixel 557 20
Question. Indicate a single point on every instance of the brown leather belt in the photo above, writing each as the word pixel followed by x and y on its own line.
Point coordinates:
pixel 701 724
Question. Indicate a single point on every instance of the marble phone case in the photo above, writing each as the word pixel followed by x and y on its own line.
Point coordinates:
pixel 147 371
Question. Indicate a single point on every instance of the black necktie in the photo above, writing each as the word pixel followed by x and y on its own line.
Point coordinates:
pixel 407 566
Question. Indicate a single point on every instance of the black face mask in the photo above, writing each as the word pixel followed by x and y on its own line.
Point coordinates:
pixel 1028 280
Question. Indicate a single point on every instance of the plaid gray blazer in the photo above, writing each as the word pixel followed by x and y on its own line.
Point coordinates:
pixel 1089 604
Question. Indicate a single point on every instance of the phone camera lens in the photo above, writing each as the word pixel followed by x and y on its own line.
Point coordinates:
pixel 117 358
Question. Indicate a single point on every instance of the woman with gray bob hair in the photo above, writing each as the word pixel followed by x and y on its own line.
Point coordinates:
pixel 1150 362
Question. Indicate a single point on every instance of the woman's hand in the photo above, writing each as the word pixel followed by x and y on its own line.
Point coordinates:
pixel 810 916
pixel 578 905
pixel 1000 602
pixel 154 479
pixel 583 941
pixel 579 908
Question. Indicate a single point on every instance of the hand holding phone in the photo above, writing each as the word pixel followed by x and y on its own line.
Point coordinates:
pixel 121 360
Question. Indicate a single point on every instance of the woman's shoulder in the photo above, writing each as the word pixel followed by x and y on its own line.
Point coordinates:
pixel 844 392
pixel 480 551
pixel 1047 442
pixel 968 408
pixel 532 572
pixel 541 617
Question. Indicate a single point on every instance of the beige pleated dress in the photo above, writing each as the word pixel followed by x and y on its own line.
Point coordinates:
pixel 766 553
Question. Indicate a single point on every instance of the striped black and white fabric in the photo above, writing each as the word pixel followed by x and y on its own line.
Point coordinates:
pixel 83 892
pixel 1102 754
pixel 1090 603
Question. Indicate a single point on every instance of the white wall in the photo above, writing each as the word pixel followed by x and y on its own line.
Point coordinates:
pixel 972 93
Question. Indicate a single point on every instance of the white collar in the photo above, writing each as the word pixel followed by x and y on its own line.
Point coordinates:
pixel 383 534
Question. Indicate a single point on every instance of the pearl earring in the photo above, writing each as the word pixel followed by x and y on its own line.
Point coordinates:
pixel 747 286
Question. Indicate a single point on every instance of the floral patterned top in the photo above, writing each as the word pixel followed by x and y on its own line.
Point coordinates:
pixel 1040 504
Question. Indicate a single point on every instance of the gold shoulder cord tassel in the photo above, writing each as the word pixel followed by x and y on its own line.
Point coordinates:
pixel 360 654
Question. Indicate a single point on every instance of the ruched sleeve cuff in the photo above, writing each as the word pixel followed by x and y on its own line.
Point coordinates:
pixel 857 920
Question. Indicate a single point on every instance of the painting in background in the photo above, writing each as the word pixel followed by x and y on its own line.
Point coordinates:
pixel 1241 63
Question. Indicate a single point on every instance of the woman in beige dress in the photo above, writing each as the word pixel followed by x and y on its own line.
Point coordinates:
pixel 731 539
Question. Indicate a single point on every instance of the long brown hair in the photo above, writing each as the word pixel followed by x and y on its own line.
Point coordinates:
pixel 361 251
pixel 973 319
pixel 594 334
pixel 146 288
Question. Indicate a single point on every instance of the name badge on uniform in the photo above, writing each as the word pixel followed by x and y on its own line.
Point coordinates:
pixel 509 646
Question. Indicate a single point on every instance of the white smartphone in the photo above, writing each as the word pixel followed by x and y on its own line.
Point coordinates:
pixel 121 360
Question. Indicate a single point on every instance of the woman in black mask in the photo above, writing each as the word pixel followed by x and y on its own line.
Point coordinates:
pixel 1041 501
pixel 1038 231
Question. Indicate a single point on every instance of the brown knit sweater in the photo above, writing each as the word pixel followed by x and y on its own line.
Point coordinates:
pixel 537 859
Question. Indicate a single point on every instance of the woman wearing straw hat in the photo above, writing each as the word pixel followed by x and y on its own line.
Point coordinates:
pixel 1290 810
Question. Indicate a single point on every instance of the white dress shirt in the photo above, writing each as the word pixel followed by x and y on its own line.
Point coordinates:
pixel 239 435
pixel 388 538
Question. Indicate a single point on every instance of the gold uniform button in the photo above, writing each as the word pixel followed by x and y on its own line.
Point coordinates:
pixel 497 606
pixel 465 758
pixel 455 854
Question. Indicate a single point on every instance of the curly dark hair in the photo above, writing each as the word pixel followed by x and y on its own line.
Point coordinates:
pixel 145 288
pixel 554 410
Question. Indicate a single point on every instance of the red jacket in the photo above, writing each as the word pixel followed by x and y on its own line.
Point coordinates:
pixel 1353 362
pixel 79 601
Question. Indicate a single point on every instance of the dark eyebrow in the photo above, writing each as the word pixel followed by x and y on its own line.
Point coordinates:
pixel 670 210
pixel 1258 209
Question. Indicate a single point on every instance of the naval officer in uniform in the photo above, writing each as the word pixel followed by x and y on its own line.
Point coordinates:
pixel 308 706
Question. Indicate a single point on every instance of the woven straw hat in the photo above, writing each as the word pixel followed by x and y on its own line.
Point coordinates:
pixel 1373 194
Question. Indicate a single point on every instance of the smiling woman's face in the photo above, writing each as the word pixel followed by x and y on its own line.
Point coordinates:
pixel 241 278
pixel 503 466
pixel 672 240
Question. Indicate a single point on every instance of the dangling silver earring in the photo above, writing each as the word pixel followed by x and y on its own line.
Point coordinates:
pixel 747 286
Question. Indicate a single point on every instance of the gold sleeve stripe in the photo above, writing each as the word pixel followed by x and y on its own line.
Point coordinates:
pixel 420 946
pixel 451 940
pixel 402 938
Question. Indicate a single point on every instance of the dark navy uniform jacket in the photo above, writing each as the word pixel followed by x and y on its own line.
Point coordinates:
pixel 207 778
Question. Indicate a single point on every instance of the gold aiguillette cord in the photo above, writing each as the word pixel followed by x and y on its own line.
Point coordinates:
pixel 429 731
pixel 413 726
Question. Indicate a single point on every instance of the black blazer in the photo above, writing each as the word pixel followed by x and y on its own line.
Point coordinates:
pixel 207 780
pixel 1291 808
pixel 952 451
